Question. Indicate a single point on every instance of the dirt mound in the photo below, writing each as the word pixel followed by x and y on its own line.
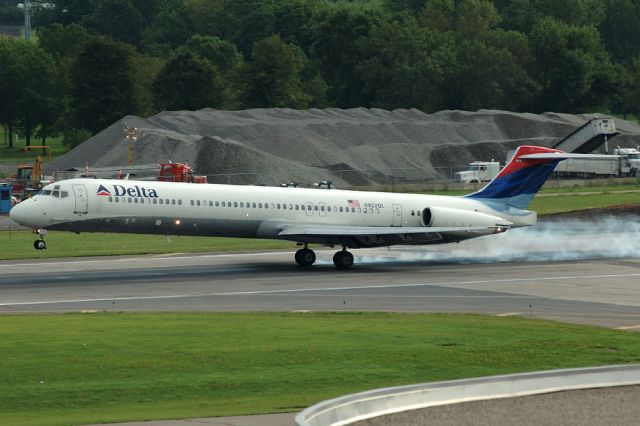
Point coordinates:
pixel 269 146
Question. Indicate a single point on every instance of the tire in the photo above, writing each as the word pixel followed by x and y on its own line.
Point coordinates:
pixel 343 260
pixel 305 257
pixel 39 245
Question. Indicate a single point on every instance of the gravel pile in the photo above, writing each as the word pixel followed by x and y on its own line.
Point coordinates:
pixel 270 146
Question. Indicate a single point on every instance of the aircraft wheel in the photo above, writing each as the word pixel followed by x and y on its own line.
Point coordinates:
pixel 305 257
pixel 343 259
pixel 39 245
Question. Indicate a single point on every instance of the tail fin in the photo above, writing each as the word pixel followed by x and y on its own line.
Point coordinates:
pixel 522 178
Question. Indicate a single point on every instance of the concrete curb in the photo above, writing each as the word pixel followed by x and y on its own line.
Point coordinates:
pixel 378 402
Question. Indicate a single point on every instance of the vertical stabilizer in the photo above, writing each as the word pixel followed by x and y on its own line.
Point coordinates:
pixel 521 179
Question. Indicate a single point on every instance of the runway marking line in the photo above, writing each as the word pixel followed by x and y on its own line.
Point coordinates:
pixel 628 327
pixel 322 289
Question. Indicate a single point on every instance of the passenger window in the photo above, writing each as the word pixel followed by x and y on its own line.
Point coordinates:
pixel 284 207
pixel 235 204
pixel 297 207
pixel 111 199
pixel 359 210
pixel 315 208
pixel 117 200
pixel 322 208
pixel 241 204
pixel 217 203
pixel 173 202
pixel 364 210
pixel 161 201
pixel 179 202
pixel 210 203
pixel 155 201
pixel 259 205
pixel 340 209
pixel 223 204
pixel 166 201
pixel 278 205
pixel 197 202
pixel 254 205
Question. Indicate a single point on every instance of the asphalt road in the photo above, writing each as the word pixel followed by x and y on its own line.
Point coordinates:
pixel 602 292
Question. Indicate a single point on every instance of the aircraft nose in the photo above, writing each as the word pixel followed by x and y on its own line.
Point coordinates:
pixel 18 213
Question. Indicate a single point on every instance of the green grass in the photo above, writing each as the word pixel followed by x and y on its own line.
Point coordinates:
pixel 566 203
pixel 19 244
pixel 94 368
pixel 16 155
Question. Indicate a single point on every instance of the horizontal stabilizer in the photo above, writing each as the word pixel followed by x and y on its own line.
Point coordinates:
pixel 565 156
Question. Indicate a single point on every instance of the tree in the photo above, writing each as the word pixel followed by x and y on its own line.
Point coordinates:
pixel 619 29
pixel 119 19
pixel 171 28
pixel 187 82
pixel 103 78
pixel 404 65
pixel 273 77
pixel 221 53
pixel 569 64
pixel 26 87
pixel 337 53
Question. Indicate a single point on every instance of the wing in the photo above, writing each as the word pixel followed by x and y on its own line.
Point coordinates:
pixel 376 236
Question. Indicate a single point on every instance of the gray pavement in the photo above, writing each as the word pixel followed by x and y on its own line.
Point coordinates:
pixel 617 406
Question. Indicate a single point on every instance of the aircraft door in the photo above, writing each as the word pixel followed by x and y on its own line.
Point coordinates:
pixel 309 209
pixel 82 201
pixel 397 215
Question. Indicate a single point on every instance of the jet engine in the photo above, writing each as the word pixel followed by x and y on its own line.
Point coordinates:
pixel 445 217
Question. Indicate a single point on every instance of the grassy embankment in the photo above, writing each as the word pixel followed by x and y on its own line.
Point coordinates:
pixel 93 368
pixel 18 244
pixel 17 155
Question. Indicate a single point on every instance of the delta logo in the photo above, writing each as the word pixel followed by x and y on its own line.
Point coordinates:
pixel 120 190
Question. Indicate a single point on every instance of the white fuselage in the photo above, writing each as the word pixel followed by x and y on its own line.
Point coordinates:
pixel 98 205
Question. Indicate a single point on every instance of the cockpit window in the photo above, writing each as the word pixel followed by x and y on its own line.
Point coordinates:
pixel 64 194
pixel 45 192
pixel 56 193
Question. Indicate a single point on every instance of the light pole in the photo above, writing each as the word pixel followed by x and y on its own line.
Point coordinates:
pixel 131 134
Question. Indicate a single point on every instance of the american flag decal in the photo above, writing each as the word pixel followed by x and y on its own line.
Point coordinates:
pixel 103 191
pixel 353 203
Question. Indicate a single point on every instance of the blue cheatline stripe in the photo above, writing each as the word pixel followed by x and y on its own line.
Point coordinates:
pixel 517 189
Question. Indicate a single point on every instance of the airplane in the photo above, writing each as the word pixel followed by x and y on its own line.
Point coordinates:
pixel 331 217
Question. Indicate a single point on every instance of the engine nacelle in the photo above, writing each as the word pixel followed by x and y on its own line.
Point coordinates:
pixel 446 217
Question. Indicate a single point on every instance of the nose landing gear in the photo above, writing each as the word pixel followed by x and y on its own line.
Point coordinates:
pixel 40 244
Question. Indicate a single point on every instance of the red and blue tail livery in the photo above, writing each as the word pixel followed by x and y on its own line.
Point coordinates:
pixel 517 184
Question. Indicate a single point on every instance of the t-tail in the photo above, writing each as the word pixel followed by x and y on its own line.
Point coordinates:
pixel 517 184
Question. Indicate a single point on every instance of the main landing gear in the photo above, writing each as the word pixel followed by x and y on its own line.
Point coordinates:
pixel 40 244
pixel 305 256
pixel 342 259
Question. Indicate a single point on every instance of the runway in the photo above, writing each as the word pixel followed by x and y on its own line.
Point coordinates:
pixel 604 292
